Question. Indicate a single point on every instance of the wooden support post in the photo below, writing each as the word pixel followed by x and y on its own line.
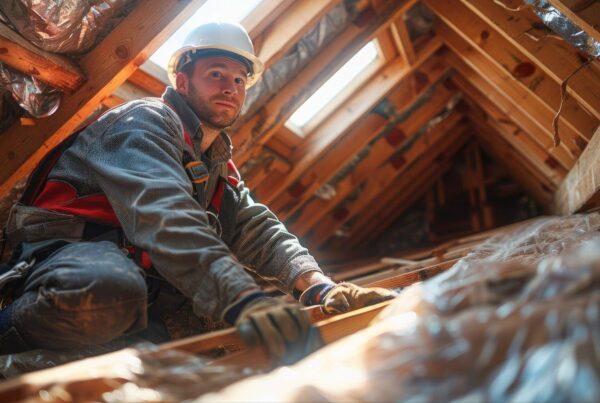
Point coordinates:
pixel 58 71
pixel 402 39
pixel 108 65
pixel 580 190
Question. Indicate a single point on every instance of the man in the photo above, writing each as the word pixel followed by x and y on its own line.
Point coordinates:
pixel 143 209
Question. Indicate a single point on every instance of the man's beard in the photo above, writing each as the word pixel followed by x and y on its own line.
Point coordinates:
pixel 208 116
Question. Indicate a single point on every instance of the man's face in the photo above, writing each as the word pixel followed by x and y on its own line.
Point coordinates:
pixel 216 90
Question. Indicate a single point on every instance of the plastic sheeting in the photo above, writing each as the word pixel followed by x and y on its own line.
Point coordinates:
pixel 516 320
pixel 36 97
pixel 566 28
pixel 66 26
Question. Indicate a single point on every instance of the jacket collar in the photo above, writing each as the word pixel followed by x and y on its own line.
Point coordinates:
pixel 220 150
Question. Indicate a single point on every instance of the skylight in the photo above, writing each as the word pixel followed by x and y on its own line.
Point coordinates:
pixel 212 10
pixel 332 87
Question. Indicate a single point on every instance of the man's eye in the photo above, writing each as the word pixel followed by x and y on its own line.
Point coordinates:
pixel 240 81
pixel 215 74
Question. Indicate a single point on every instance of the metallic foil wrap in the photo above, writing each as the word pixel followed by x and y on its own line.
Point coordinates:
pixel 36 97
pixel 65 26
pixel 566 28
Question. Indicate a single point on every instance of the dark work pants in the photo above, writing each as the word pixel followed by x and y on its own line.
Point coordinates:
pixel 83 294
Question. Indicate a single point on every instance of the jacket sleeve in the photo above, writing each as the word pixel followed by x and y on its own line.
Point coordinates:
pixel 264 245
pixel 137 163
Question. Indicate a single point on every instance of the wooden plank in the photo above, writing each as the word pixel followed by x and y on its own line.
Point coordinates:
pixel 265 13
pixel 402 39
pixel 520 98
pixel 350 143
pixel 514 70
pixel 108 65
pixel 316 209
pixel 380 180
pixel 508 107
pixel 276 39
pixel 147 82
pixel 521 141
pixel 58 71
pixel 557 58
pixel 580 189
pixel 256 130
pixel 129 92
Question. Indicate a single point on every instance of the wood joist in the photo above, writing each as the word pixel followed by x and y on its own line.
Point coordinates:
pixel 58 71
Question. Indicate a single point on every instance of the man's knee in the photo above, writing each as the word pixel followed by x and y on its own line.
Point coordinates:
pixel 89 293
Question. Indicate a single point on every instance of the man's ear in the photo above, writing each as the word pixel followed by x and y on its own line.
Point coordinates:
pixel 182 83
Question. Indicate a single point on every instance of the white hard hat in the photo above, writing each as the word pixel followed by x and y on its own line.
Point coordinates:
pixel 221 36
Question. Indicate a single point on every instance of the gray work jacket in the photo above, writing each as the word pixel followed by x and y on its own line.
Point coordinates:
pixel 133 154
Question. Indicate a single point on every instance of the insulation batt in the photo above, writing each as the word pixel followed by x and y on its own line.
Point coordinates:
pixel 516 320
pixel 66 26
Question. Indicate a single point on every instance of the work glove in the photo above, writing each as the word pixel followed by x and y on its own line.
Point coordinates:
pixel 344 297
pixel 282 327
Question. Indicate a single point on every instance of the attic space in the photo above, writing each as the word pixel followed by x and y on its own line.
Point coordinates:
pixel 445 149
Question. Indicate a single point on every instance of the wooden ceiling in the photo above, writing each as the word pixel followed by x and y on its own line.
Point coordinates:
pixel 484 75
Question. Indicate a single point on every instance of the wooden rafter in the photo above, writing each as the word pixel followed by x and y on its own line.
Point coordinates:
pixel 58 71
pixel 279 37
pixel 581 188
pixel 523 143
pixel 515 94
pixel 510 108
pixel 257 130
pixel 557 58
pixel 402 40
pixel 360 134
pixel 408 188
pixel 379 180
pixel 317 209
pixel 514 72
pixel 351 112
pixel 121 52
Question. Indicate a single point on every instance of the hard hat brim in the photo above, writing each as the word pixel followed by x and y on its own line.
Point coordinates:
pixel 257 66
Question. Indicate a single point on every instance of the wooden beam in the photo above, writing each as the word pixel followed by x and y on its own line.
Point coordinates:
pixel 510 108
pixel 265 13
pixel 256 130
pixel 352 111
pixel 557 58
pixel 519 97
pixel 385 147
pixel 108 65
pixel 521 141
pixel 360 134
pixel 130 92
pixel 58 71
pixel 580 190
pixel 276 39
pixel 402 39
pixel 379 181
pixel 408 187
pixel 147 82
pixel 514 71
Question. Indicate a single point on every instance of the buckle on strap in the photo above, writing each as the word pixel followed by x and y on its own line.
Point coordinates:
pixel 198 174
pixel 17 271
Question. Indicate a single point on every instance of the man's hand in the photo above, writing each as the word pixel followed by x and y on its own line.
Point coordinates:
pixel 344 297
pixel 278 325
